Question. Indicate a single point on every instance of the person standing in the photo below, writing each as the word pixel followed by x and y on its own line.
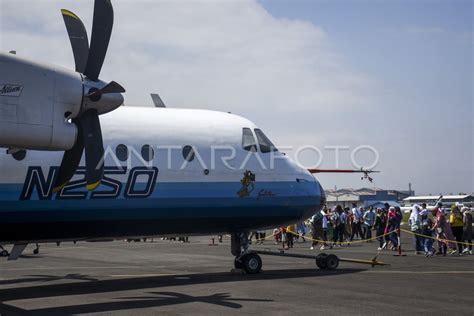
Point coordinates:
pixel 392 226
pixel 427 231
pixel 456 223
pixel 316 223
pixel 415 227
pixel 349 218
pixel 260 237
pixel 339 220
pixel 369 221
pixel 379 226
pixel 441 227
pixel 324 223
pixel 290 235
pixel 277 235
pixel 301 230
pixel 284 241
pixel 467 229
pixel 356 223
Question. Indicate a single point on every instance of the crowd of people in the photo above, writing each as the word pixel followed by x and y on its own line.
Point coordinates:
pixel 437 231
pixel 434 231
pixel 452 230
pixel 347 224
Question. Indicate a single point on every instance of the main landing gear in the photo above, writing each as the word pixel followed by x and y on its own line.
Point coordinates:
pixel 250 261
pixel 327 262
pixel 245 260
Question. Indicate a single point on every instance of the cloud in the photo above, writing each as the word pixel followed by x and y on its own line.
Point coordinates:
pixel 231 56
pixel 285 75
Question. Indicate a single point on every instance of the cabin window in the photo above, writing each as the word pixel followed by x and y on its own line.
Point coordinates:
pixel 265 144
pixel 148 153
pixel 248 140
pixel 121 152
pixel 188 153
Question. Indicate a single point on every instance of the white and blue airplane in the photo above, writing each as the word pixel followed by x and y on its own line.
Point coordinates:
pixel 145 172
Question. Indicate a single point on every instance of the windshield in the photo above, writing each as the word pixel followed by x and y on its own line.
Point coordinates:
pixel 248 140
pixel 265 144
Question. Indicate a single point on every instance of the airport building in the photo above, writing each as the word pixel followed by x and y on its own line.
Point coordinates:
pixel 375 197
pixel 463 199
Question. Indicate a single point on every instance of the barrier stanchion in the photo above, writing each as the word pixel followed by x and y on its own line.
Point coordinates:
pixel 399 253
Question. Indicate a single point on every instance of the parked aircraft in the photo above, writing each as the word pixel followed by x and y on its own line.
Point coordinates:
pixel 146 171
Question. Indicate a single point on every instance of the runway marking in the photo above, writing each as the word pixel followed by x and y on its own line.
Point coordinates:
pixel 421 272
pixel 75 268
pixel 137 275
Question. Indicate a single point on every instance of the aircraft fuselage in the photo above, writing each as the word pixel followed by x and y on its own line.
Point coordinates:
pixel 167 171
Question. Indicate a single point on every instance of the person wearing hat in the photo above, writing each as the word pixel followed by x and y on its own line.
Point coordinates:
pixel 456 222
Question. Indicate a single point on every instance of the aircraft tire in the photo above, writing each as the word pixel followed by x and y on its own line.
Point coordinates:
pixel 332 262
pixel 252 263
pixel 321 261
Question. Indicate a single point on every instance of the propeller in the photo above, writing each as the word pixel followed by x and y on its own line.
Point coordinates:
pixel 112 87
pixel 99 97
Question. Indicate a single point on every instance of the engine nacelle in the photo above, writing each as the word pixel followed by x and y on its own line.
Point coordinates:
pixel 34 98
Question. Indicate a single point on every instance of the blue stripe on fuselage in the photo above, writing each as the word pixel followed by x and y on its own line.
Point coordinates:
pixel 168 200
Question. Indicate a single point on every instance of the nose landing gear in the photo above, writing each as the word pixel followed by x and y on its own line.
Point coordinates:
pixel 245 260
pixel 250 262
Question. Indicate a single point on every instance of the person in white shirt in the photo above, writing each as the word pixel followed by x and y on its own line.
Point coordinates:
pixel 415 226
pixel 325 213
pixel 356 222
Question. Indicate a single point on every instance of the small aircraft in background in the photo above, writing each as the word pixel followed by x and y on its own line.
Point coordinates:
pixel 146 171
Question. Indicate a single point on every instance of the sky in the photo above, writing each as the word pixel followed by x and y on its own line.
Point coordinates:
pixel 378 84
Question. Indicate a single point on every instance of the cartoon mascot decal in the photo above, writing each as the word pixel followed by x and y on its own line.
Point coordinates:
pixel 247 184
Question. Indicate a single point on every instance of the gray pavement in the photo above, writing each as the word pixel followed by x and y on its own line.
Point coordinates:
pixel 163 277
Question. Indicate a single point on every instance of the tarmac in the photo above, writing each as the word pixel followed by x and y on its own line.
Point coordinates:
pixel 171 278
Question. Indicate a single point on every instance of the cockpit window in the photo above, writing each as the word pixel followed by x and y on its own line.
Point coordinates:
pixel 265 144
pixel 248 140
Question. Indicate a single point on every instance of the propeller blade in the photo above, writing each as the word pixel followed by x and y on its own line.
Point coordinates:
pixel 78 38
pixel 111 87
pixel 94 148
pixel 100 37
pixel 70 161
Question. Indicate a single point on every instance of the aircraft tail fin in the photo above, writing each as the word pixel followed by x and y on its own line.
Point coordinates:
pixel 157 100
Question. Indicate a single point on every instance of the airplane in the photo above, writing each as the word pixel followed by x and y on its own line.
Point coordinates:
pixel 145 171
